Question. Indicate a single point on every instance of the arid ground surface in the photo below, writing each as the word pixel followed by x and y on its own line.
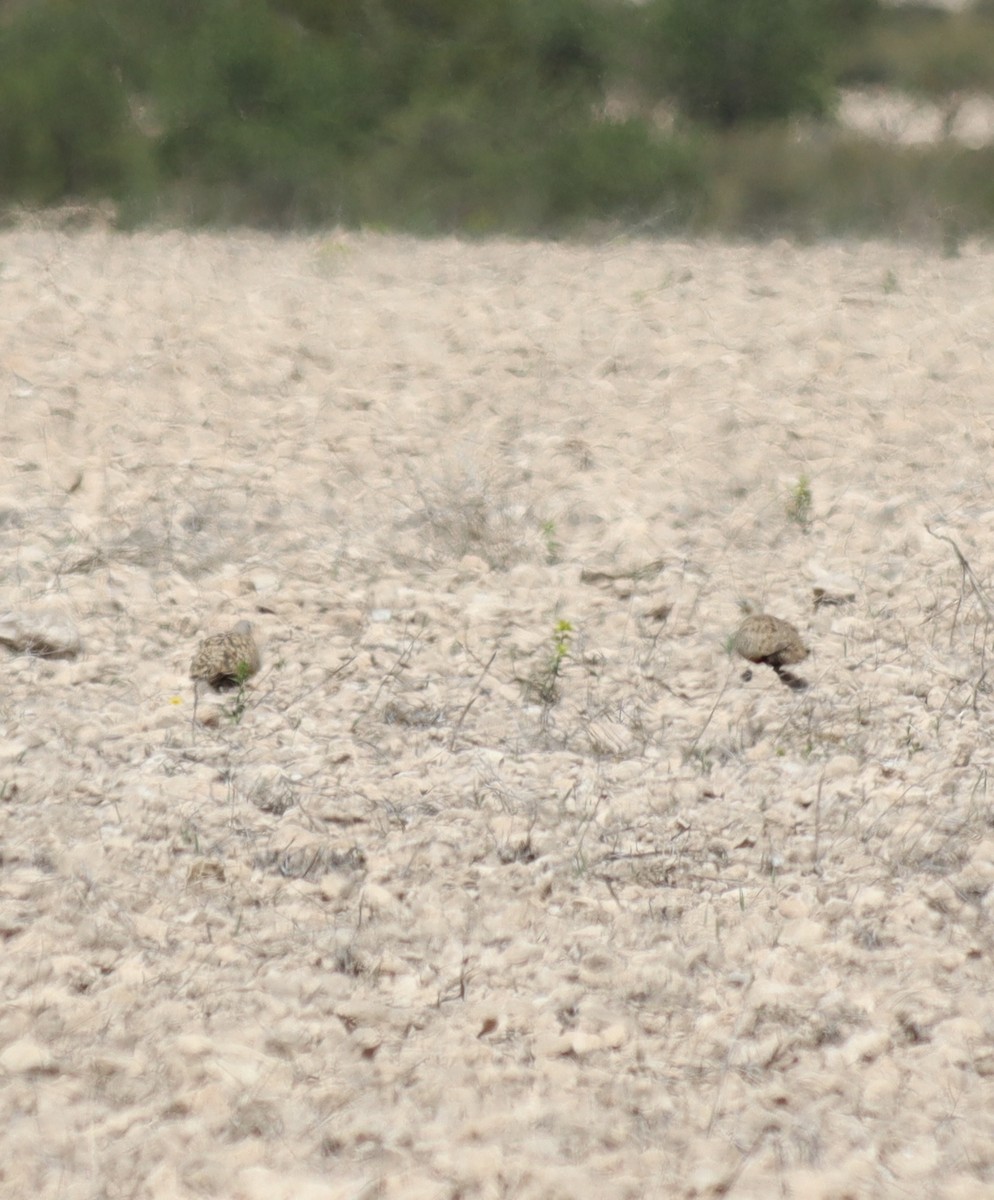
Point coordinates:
pixel 498 880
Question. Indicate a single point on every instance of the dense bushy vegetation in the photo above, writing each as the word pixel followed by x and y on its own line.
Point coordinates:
pixel 727 62
pixel 924 50
pixel 519 115
pixel 65 123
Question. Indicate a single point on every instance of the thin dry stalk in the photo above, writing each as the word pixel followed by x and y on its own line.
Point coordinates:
pixel 402 662
pixel 710 717
pixel 816 853
pixel 969 576
pixel 733 1041
pixel 471 701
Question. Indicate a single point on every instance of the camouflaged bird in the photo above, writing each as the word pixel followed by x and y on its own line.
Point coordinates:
pixel 226 659
pixel 774 643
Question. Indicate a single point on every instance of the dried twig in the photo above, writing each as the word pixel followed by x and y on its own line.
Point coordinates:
pixel 471 700
pixel 969 576
pixel 968 573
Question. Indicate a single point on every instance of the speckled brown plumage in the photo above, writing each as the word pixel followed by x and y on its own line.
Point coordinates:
pixel 226 659
pixel 773 642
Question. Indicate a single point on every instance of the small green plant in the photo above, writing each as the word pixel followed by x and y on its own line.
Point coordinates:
pixel 553 547
pixel 799 501
pixel 236 709
pixel 702 758
pixel 580 862
pixel 890 284
pixel 912 743
pixel 189 836
pixel 543 683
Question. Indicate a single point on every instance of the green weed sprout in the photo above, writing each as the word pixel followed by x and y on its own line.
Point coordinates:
pixel 544 681
pixel 236 709
pixel 799 502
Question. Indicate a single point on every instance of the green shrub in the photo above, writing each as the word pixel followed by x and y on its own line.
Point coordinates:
pixel 434 115
pixel 394 112
pixel 65 121
pixel 447 45
pixel 257 118
pixel 475 100
pixel 625 171
pixel 923 50
pixel 765 182
pixel 726 62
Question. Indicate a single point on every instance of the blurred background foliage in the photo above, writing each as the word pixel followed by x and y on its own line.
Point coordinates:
pixel 521 116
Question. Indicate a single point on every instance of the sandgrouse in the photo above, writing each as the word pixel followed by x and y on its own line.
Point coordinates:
pixel 226 659
pixel 765 639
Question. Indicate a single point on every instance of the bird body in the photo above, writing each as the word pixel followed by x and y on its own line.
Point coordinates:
pixel 773 642
pixel 226 659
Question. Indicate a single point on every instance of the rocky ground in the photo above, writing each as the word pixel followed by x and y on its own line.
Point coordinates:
pixel 498 880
